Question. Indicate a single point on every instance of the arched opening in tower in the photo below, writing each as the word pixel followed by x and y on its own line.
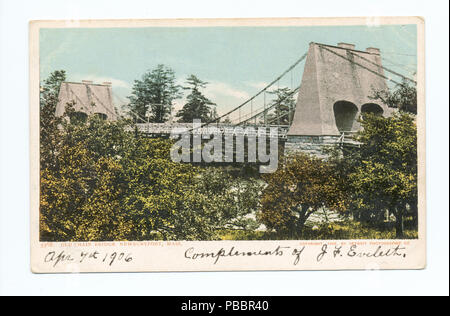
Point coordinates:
pixel 345 115
pixel 78 117
pixel 101 116
pixel 372 108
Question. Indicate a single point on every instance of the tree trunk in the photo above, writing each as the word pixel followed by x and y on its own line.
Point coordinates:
pixel 399 227
pixel 302 220
pixel 415 213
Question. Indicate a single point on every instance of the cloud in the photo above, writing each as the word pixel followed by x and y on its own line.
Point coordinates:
pixel 216 89
pixel 257 85
pixel 223 94
pixel 261 85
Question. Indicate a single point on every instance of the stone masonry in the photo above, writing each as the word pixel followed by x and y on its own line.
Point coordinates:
pixel 334 92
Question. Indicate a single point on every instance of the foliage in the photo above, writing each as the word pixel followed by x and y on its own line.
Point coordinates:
pixel 160 198
pixel 302 185
pixel 101 181
pixel 48 121
pixel 285 107
pixel 403 98
pixel 385 176
pixel 79 199
pixel 155 92
pixel 80 188
pixel 234 198
pixel 226 120
pixel 198 106
pixel 108 184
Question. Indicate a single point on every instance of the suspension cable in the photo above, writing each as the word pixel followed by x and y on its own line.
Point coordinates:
pixel 362 66
pixel 410 69
pixel 385 68
pixel 129 110
pixel 257 94
pixel 272 106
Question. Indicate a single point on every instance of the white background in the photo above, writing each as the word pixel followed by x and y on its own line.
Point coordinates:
pixel 15 275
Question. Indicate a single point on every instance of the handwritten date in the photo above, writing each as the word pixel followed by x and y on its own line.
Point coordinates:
pixel 58 258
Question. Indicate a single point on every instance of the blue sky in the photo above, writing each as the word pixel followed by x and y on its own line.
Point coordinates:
pixel 236 61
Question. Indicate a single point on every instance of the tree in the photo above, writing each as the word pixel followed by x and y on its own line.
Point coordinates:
pixel 234 198
pixel 81 189
pixel 111 184
pixel 385 176
pixel 48 121
pixel 403 97
pixel 300 187
pixel 106 182
pixel 198 106
pixel 284 109
pixel 80 201
pixel 226 120
pixel 154 93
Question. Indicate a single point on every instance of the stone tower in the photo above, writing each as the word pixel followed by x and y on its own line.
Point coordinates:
pixel 335 89
pixel 88 98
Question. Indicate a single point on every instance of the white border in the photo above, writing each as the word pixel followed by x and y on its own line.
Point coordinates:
pixel 15 276
pixel 180 257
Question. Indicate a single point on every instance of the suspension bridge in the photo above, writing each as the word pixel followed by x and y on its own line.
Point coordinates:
pixel 321 108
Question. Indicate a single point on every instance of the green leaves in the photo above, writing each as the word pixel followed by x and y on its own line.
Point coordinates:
pixel 284 109
pixel 385 176
pixel 388 156
pixel 154 93
pixel 198 106
pixel 48 121
pixel 404 97
pixel 101 182
pixel 301 186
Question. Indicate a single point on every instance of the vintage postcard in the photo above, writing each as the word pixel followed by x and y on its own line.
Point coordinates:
pixel 227 144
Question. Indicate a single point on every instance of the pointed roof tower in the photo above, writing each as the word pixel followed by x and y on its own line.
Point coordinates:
pixel 335 90
pixel 88 98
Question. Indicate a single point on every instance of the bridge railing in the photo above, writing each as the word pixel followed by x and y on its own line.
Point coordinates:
pixel 216 128
pixel 348 138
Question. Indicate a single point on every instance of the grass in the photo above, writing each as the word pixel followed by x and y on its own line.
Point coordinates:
pixel 335 231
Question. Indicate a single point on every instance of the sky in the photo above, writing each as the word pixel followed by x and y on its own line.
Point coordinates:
pixel 236 61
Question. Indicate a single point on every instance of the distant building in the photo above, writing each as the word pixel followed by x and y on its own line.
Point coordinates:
pixel 88 99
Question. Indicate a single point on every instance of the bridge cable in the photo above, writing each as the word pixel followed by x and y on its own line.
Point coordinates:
pixel 362 66
pixel 400 54
pixel 87 107
pixel 278 118
pixel 257 94
pixel 137 116
pixel 104 106
pixel 265 112
pixel 385 68
pixel 270 107
pixel 410 69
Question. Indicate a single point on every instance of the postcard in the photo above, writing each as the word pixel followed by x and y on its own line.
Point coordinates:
pixel 227 144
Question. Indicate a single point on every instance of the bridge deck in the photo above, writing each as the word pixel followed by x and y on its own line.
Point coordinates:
pixel 164 129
